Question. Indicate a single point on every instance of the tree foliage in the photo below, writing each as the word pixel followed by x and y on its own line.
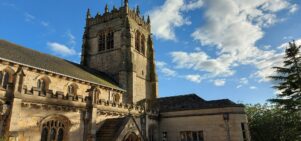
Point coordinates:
pixel 288 80
pixel 270 123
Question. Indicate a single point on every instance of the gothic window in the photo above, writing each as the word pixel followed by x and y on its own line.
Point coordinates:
pixel 42 85
pixel 110 40
pixel 71 90
pixel 102 42
pixel 137 41
pixel 53 130
pixel 143 44
pixel 96 95
pixel 116 98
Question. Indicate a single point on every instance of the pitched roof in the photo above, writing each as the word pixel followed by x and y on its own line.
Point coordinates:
pixel 110 128
pixel 192 102
pixel 15 53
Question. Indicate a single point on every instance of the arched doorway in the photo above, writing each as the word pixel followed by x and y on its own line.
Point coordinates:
pixel 131 137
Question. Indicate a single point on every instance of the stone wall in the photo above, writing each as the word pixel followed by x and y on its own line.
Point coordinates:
pixel 210 121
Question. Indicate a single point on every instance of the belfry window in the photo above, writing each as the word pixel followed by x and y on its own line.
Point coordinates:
pixel 143 44
pixel 137 41
pixel 110 40
pixel 102 42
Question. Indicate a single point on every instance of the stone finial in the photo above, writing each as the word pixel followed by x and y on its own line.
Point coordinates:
pixel 98 14
pixel 106 8
pixel 138 10
pixel 114 8
pixel 148 19
pixel 88 14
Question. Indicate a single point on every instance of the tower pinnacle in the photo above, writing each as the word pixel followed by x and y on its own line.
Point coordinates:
pixel 106 8
pixel 88 14
pixel 126 3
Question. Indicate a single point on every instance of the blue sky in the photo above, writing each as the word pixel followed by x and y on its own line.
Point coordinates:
pixel 215 48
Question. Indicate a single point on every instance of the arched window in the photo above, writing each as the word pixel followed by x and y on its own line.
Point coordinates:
pixel 72 90
pixel 110 40
pixel 137 41
pixel 42 86
pixel 102 42
pixel 96 95
pixel 53 130
pixel 143 44
pixel 116 98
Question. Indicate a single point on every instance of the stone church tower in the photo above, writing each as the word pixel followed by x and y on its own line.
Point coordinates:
pixel 119 43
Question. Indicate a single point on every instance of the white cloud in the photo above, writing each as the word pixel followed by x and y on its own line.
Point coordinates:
pixel 243 81
pixel 44 23
pixel 219 82
pixel 29 17
pixel 194 78
pixel 166 18
pixel 61 49
pixel 294 8
pixel 202 62
pixel 193 4
pixel 253 87
pixel 71 38
pixel 233 27
pixel 163 68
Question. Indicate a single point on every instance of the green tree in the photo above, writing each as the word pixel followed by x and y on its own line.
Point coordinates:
pixel 270 123
pixel 288 79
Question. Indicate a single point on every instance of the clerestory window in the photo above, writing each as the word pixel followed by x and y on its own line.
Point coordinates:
pixel 4 79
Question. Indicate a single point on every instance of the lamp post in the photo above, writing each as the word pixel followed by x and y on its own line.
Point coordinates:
pixel 226 118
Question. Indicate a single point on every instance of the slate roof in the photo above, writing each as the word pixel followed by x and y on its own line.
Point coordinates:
pixel 110 128
pixel 192 102
pixel 26 56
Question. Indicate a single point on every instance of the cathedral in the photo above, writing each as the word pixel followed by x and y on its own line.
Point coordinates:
pixel 112 95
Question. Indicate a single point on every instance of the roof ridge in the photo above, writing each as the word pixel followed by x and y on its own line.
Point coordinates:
pixel 50 55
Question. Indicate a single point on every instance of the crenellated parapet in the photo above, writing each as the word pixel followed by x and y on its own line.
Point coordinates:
pixel 115 13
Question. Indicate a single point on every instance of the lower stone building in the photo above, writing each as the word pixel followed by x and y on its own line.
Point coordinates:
pixel 112 95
